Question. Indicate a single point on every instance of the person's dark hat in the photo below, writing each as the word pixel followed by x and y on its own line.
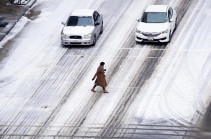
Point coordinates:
pixel 102 63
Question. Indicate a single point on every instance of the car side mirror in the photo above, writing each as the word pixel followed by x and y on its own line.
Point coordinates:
pixel 63 23
pixel 96 24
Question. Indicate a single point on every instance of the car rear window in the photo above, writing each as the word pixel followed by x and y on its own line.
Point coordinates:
pixel 80 21
pixel 154 17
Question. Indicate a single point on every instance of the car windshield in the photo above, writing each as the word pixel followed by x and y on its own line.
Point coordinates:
pixel 80 21
pixel 154 17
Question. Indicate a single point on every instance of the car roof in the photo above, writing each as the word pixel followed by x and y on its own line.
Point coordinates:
pixel 156 8
pixel 82 12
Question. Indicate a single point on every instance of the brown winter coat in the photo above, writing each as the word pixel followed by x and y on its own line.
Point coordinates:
pixel 100 81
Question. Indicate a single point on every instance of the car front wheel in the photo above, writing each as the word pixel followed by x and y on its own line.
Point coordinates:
pixel 94 41
pixel 169 36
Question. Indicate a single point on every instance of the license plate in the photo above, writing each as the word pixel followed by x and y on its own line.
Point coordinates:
pixel 150 39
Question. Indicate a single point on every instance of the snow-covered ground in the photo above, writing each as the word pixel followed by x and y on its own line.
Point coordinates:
pixel 155 90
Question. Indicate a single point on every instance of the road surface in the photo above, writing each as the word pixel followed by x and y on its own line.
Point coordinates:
pixel 157 91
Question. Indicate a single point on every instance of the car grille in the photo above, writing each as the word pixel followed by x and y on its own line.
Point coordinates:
pixel 153 34
pixel 75 37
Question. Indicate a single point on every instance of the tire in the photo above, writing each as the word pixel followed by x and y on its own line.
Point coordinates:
pixel 94 41
pixel 101 30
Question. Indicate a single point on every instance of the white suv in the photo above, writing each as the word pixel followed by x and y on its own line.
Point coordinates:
pixel 156 24
pixel 82 27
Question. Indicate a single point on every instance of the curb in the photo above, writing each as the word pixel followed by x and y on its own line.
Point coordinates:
pixel 30 3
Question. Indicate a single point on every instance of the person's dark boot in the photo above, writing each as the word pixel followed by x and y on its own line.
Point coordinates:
pixel 93 90
pixel 104 91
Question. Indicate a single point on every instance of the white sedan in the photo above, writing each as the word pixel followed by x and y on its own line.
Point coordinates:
pixel 157 24
pixel 82 27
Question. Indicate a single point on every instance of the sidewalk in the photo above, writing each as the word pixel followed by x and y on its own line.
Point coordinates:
pixel 10 14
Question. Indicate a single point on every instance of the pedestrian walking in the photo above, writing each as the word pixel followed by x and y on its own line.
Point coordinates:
pixel 101 80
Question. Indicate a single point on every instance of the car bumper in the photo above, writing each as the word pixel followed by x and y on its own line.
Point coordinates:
pixel 159 38
pixel 76 41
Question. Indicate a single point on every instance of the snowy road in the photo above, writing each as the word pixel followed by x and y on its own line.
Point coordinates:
pixel 155 90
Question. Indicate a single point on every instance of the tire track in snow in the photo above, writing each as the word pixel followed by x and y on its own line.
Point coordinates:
pixel 92 101
pixel 143 75
pixel 141 129
pixel 117 64
pixel 184 5
pixel 54 113
pixel 43 82
pixel 82 116
pixel 180 120
pixel 38 100
pixel 195 21
pixel 42 86
pixel 95 97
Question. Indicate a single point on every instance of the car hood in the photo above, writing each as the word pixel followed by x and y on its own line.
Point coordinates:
pixel 152 27
pixel 77 30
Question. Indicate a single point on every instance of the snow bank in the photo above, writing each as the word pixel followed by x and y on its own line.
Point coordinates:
pixel 17 28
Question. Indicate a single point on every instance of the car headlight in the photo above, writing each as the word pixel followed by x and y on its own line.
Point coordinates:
pixel 137 31
pixel 163 32
pixel 64 36
pixel 87 36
